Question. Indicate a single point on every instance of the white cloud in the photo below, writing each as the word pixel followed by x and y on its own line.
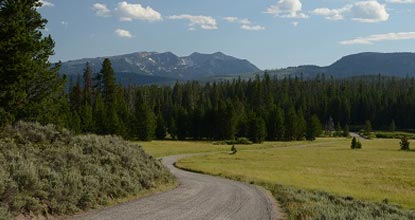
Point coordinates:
pixel 245 21
pixel 129 12
pixel 252 27
pixel 123 33
pixel 287 9
pixel 332 14
pixel 401 1
pixel 380 37
pixel 295 23
pixel 231 19
pixel 369 12
pixel 46 3
pixel 203 22
pixel 362 11
pixel 246 24
pixel 101 10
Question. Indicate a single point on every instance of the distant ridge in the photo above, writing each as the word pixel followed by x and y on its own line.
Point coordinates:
pixel 361 64
pixel 153 67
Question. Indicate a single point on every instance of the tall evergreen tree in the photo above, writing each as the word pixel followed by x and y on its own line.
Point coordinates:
pixel 161 130
pixel 256 129
pixel 108 82
pixel 301 126
pixel 314 128
pixel 99 115
pixel 145 121
pixel 30 88
pixel 291 123
pixel 88 87
pixel 275 124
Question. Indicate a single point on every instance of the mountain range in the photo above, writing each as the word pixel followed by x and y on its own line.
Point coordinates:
pixel 362 64
pixel 166 68
pixel 153 67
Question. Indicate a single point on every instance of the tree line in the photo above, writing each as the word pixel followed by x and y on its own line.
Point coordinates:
pixel 259 109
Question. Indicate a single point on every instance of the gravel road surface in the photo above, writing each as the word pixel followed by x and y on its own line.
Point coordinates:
pixel 198 197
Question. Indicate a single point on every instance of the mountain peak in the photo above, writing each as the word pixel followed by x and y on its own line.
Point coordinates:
pixel 167 64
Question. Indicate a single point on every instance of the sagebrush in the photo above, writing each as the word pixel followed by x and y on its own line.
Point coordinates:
pixel 306 204
pixel 47 171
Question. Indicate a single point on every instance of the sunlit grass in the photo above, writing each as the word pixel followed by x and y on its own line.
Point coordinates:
pixel 167 148
pixel 378 171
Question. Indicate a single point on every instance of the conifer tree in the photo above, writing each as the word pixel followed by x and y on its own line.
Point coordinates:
pixel 161 130
pixel 145 121
pixel 291 123
pixel 275 124
pixel 30 88
pixel 108 82
pixel 99 115
pixel 182 124
pixel 301 126
pixel 76 96
pixel 88 87
pixel 87 119
pixel 314 128
pixel 256 129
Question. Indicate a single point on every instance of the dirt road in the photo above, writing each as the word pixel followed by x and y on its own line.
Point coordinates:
pixel 198 197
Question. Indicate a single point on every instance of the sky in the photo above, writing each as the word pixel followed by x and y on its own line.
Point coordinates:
pixel 269 33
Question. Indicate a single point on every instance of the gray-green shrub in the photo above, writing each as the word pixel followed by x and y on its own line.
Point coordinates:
pixel 47 171
pixel 304 204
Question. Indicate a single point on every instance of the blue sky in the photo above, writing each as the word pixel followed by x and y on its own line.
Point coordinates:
pixel 269 33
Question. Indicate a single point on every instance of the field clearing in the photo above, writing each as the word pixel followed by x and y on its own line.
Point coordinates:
pixel 378 171
pixel 168 148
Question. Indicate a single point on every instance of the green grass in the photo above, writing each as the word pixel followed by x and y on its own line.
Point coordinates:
pixel 376 172
pixel 167 148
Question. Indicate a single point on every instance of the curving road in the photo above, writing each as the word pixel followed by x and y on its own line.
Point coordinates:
pixel 198 197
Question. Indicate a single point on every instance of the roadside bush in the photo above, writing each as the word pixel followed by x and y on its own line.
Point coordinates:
pixel 47 171
pixel 303 204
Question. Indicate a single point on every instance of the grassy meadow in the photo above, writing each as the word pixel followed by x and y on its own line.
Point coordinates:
pixel 323 179
pixel 379 171
pixel 167 148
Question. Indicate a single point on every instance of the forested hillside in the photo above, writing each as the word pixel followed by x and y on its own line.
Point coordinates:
pixel 387 64
pixel 260 109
